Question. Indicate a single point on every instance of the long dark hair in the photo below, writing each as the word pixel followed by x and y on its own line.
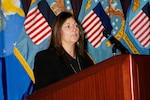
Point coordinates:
pixel 56 33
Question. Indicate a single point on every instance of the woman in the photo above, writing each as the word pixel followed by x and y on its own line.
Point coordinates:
pixel 65 55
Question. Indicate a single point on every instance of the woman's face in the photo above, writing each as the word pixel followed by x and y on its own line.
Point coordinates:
pixel 70 31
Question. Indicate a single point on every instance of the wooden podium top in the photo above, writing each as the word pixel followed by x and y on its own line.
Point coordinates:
pixel 123 77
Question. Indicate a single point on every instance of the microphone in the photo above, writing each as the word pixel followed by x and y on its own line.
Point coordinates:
pixel 115 42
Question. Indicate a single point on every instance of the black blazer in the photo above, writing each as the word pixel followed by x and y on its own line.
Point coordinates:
pixel 50 67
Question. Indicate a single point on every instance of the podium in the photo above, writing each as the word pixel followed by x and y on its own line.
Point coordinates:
pixel 122 77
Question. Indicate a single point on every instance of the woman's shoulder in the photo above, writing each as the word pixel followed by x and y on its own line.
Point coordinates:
pixel 50 52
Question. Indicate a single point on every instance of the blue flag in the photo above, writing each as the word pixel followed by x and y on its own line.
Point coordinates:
pixel 94 22
pixel 137 28
pixel 34 37
pixel 14 79
pixel 1 51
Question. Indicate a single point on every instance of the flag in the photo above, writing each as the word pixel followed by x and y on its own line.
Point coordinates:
pixel 14 80
pixel 1 51
pixel 137 28
pixel 94 23
pixel 34 37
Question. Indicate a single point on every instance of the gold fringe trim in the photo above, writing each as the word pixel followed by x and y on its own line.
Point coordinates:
pixel 24 64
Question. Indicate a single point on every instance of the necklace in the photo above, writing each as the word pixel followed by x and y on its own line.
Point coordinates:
pixel 78 65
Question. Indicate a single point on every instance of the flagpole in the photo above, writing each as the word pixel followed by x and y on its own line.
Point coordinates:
pixel 1 35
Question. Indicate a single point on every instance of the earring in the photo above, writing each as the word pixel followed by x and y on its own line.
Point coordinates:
pixel 78 43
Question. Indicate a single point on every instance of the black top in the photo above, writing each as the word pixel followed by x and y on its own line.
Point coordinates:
pixel 49 67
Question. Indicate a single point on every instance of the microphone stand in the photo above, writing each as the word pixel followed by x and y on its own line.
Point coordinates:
pixel 116 44
pixel 114 50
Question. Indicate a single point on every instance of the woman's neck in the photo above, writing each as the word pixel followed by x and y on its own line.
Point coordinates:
pixel 70 50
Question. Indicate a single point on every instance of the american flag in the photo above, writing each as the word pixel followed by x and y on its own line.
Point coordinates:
pixel 140 26
pixel 36 26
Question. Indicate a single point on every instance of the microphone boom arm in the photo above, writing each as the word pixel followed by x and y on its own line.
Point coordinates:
pixel 115 42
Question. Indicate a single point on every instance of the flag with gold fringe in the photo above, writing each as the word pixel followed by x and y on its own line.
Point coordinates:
pixel 94 21
pixel 15 84
pixel 34 37
pixel 137 27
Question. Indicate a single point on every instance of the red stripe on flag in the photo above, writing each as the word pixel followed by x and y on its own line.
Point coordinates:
pixel 85 20
pixel 30 14
pixel 34 36
pixel 93 27
pixel 135 20
pixel 97 43
pixel 36 42
pixel 36 28
pixel 33 24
